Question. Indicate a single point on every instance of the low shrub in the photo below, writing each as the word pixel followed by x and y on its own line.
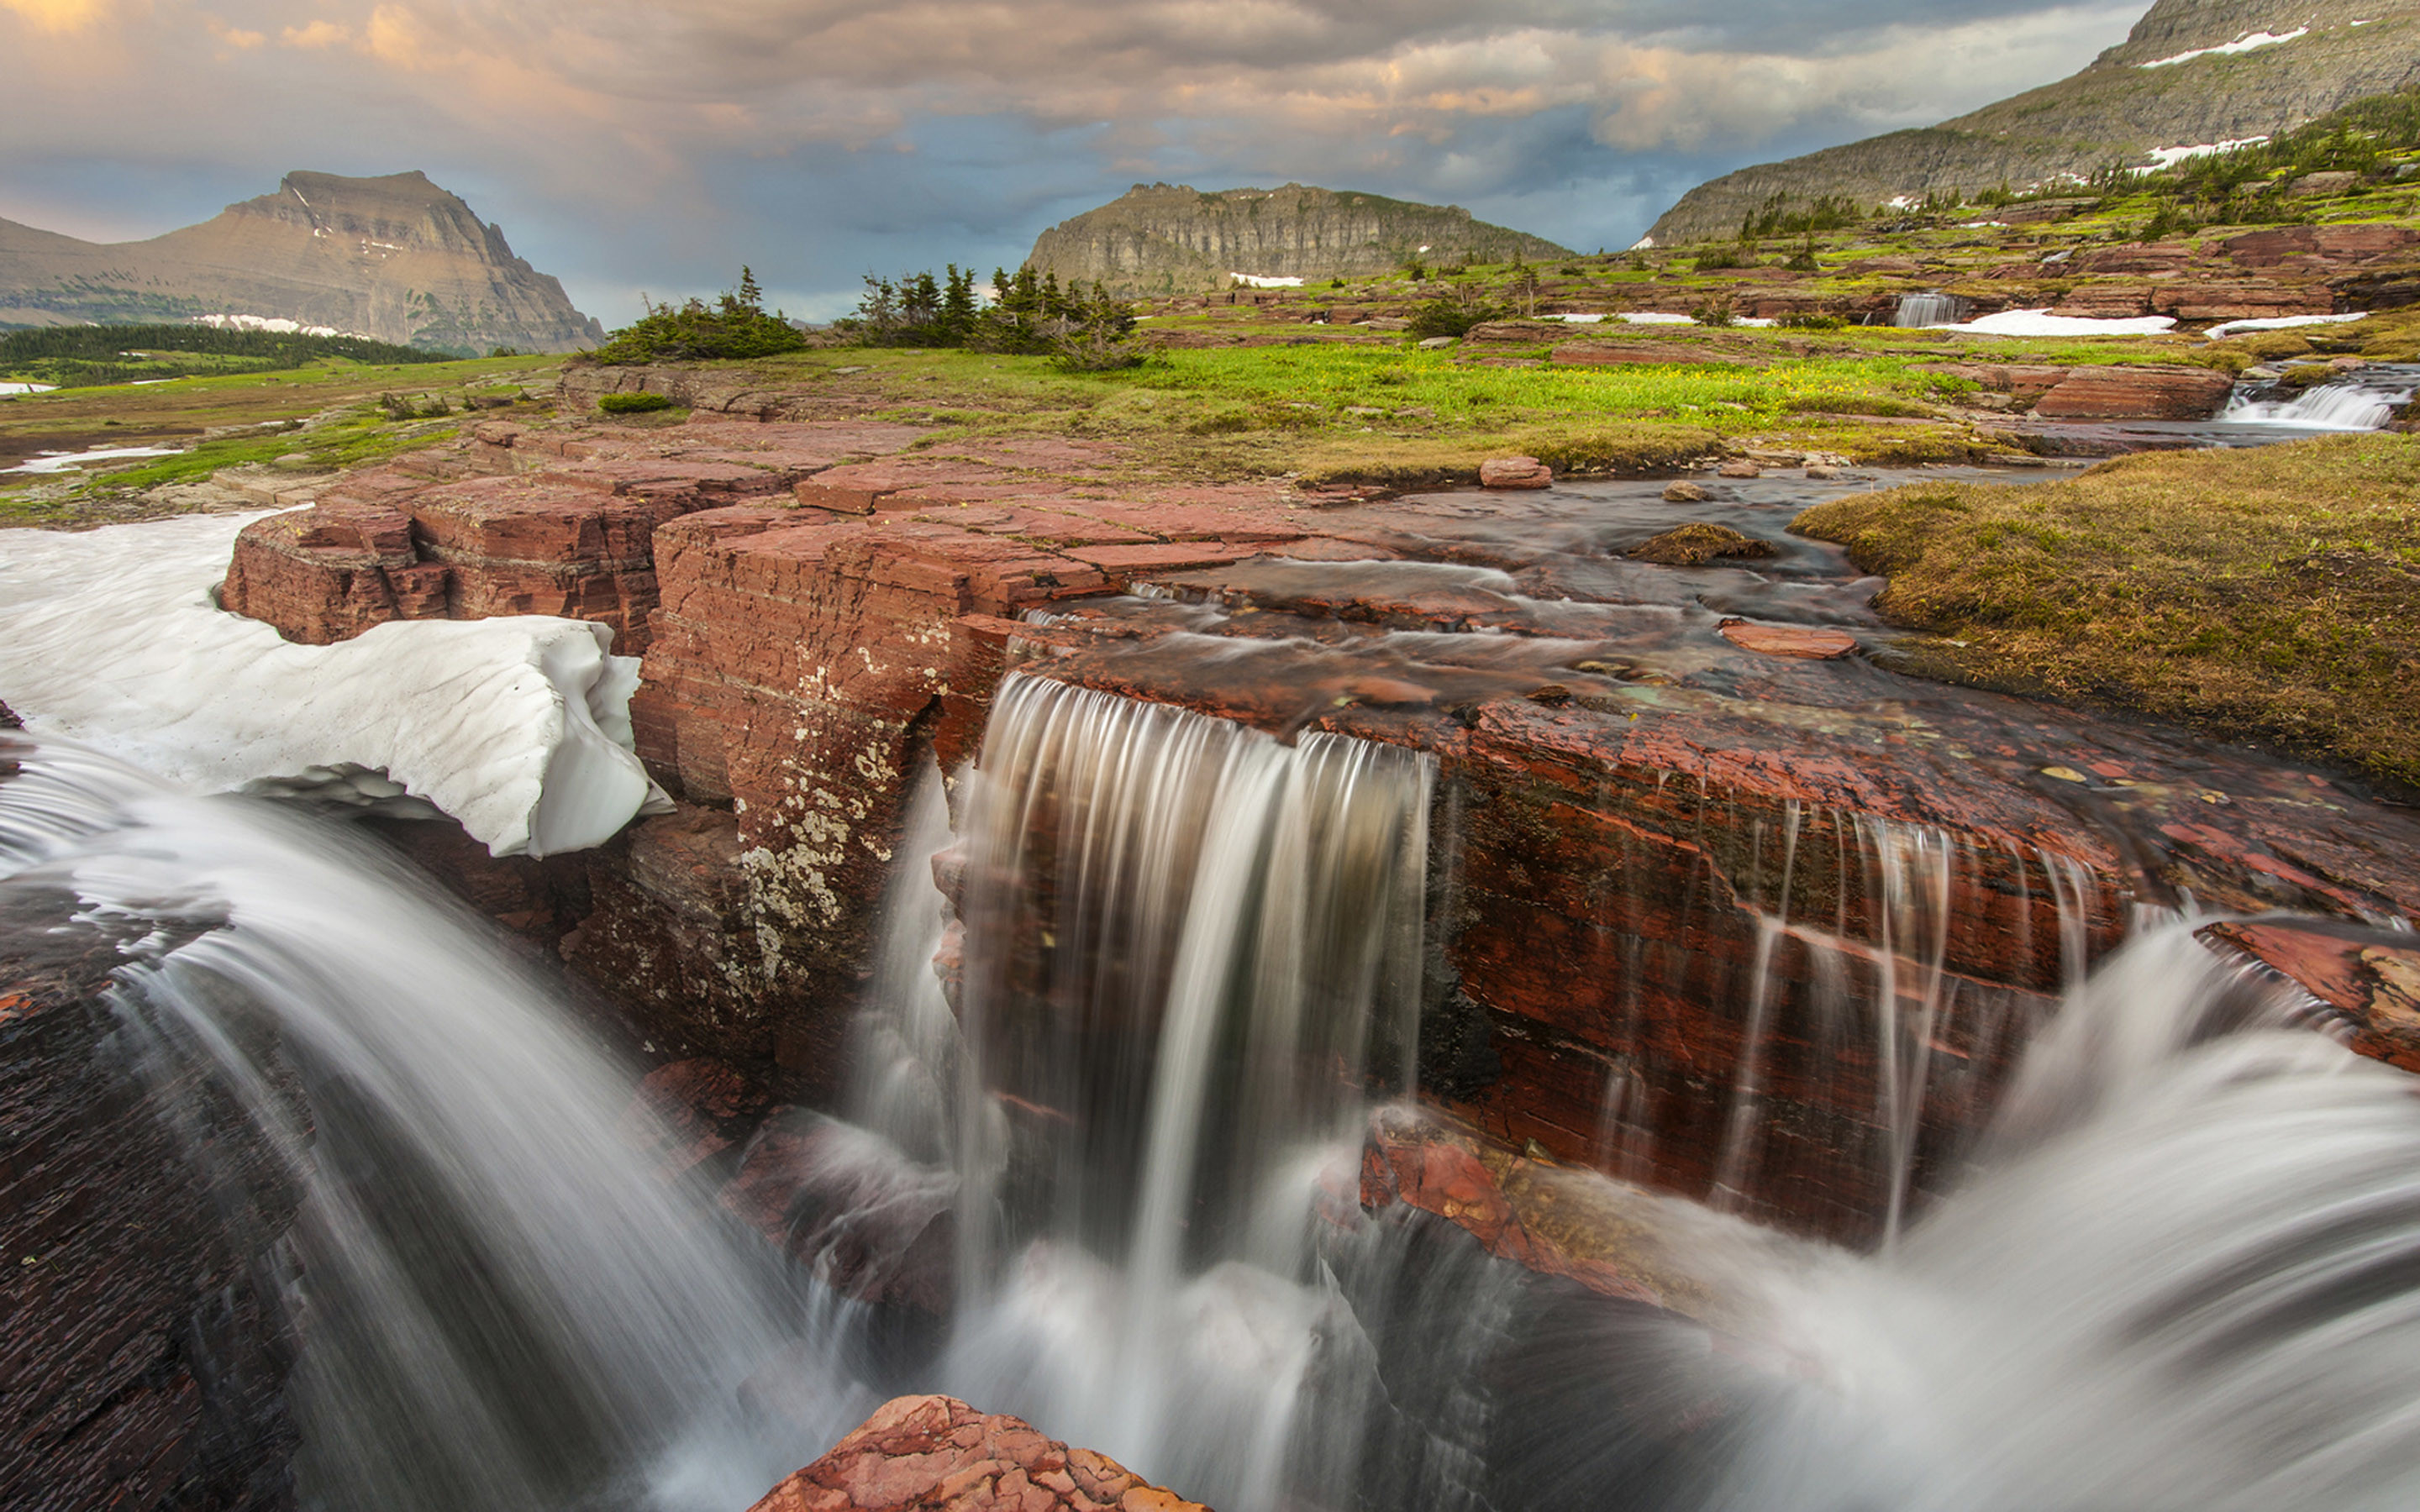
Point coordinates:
pixel 632 404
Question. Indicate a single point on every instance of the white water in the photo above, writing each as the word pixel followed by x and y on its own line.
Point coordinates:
pixel 504 1306
pixel 2180 1274
pixel 2358 401
pixel 1191 956
pixel 2184 1279
pixel 1928 310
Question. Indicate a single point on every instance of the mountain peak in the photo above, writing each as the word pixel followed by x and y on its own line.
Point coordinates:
pixel 394 256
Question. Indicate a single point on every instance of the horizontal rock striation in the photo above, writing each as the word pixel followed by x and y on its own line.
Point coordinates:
pixel 141 1344
pixel 394 258
pixel 1157 239
pixel 2114 111
pixel 1688 890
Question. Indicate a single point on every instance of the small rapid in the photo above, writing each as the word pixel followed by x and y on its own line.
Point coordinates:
pixel 2365 398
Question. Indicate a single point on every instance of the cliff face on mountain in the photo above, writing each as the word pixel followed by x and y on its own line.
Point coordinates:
pixel 395 258
pixel 1159 239
pixel 2260 68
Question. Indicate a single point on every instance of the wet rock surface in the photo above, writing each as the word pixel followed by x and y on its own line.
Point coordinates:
pixel 937 1452
pixel 141 1345
pixel 1697 840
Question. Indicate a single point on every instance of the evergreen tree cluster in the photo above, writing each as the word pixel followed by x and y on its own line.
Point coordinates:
pixel 81 356
pixel 734 326
pixel 1028 313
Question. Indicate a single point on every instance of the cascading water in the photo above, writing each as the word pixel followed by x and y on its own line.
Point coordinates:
pixel 1931 309
pixel 1191 952
pixel 2178 1270
pixel 2365 398
pixel 501 1305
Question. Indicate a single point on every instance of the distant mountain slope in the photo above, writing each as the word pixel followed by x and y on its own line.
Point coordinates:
pixel 1159 239
pixel 394 258
pixel 2261 66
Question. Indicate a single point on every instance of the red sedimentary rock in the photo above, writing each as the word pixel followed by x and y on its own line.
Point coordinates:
pixel 1807 643
pixel 937 1452
pixel 2136 393
pixel 145 1362
pixel 2370 976
pixel 1516 472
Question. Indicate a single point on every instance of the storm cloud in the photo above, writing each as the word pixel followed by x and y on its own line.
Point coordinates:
pixel 655 145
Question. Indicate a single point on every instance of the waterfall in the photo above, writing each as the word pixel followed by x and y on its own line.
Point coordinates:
pixel 501 1305
pixel 2183 1277
pixel 1191 957
pixel 2365 398
pixel 1929 309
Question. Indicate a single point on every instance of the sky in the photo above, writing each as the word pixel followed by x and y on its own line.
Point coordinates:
pixel 651 146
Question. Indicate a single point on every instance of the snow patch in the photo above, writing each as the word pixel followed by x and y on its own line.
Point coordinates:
pixel 2244 43
pixel 520 728
pixel 2043 323
pixel 275 324
pixel 2169 157
pixel 1642 244
pixel 27 388
pixel 71 461
pixel 1255 281
pixel 2281 322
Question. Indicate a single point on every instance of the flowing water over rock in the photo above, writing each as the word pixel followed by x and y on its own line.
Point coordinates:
pixel 2365 398
pixel 501 1305
pixel 1800 941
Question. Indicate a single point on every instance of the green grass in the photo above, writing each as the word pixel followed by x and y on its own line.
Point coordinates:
pixel 260 412
pixel 2270 594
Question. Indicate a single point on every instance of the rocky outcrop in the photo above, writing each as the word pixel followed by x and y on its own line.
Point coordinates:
pixel 1516 472
pixel 394 258
pixel 2368 975
pixel 1159 239
pixel 937 1452
pixel 141 1342
pixel 2115 109
pixel 518 522
pixel 2138 392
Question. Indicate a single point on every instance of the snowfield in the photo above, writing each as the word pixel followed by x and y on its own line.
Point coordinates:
pixel 520 728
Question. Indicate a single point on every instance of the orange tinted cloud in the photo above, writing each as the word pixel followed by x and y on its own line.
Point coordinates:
pixel 59 15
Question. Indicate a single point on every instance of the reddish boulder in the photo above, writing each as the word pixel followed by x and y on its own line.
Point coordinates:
pixel 687 1112
pixel 1809 643
pixel 1516 472
pixel 937 1452
pixel 1508 1203
pixel 2122 393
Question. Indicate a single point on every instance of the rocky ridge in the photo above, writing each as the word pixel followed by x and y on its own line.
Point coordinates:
pixel 394 259
pixel 1161 238
pixel 2117 110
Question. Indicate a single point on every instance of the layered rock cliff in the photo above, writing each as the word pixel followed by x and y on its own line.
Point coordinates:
pixel 395 258
pixel 2256 69
pixel 1159 239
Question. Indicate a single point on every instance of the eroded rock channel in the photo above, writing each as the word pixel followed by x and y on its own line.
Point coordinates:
pixel 1221 973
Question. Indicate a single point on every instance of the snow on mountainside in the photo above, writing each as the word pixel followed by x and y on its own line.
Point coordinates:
pixel 2191 74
